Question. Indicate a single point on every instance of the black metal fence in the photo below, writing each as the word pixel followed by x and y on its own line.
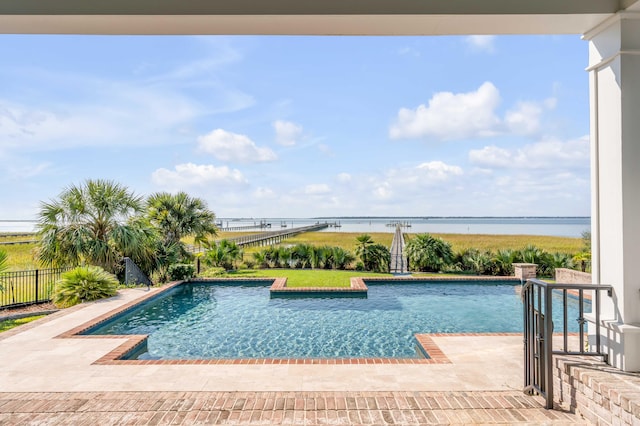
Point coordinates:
pixel 21 288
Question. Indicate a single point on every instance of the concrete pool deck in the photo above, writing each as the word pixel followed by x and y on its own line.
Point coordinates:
pixel 46 379
pixel 67 364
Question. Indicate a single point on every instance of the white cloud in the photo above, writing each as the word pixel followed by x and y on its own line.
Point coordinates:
pixel 189 174
pixel 546 154
pixel 287 132
pixel 326 150
pixel 233 147
pixel 456 116
pixel 423 175
pixel 491 156
pixel 317 189
pixel 26 171
pixel 524 119
pixel 344 177
pixel 437 171
pixel 451 116
pixel 264 193
pixel 481 43
pixel 383 191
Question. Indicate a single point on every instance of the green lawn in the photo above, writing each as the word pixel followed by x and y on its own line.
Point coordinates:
pixel 9 324
pixel 306 277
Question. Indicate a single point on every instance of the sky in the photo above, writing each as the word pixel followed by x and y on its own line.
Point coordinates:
pixel 293 126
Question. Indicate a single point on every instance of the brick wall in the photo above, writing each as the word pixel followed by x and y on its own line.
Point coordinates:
pixel 570 276
pixel 601 394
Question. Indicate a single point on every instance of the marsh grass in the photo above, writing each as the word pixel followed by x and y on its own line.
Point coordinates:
pixel 485 242
pixel 8 237
pixel 345 240
pixel 459 242
pixel 306 277
pixel 21 257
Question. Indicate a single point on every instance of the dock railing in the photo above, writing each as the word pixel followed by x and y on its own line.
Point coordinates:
pixel 537 298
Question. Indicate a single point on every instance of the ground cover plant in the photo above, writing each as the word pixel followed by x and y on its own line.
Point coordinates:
pixel 84 284
pixel 12 323
pixel 305 277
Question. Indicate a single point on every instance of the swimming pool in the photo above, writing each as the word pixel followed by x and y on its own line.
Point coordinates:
pixel 240 320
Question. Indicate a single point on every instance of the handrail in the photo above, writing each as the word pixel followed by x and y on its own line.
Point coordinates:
pixel 539 331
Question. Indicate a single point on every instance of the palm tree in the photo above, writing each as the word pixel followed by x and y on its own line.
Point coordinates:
pixel 301 256
pixel 476 261
pixel 342 258
pixel 4 257
pixel 179 215
pixel 503 262
pixel 429 253
pixel 93 223
pixel 223 254
pixel 583 259
pixel 364 243
pixel 379 258
pixel 261 259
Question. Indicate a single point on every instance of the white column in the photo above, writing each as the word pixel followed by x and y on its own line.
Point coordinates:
pixel 614 67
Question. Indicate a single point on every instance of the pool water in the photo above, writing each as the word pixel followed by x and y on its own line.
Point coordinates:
pixel 205 320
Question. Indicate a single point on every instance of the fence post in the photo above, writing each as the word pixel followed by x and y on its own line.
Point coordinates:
pixel 37 286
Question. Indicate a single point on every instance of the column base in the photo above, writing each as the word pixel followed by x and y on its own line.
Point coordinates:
pixel 621 342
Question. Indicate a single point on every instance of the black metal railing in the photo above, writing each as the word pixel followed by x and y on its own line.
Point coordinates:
pixel 133 275
pixel 21 288
pixel 538 302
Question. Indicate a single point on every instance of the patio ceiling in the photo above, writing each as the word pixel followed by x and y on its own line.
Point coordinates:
pixel 328 17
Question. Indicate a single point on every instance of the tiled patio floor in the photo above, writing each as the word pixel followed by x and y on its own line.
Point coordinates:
pixel 46 379
pixel 276 408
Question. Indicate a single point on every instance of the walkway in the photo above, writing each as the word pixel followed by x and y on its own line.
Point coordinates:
pixel 399 264
pixel 276 408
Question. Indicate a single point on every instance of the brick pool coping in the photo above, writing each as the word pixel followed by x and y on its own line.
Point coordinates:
pixel 133 341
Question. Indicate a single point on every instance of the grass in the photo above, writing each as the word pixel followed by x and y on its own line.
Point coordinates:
pixel 346 240
pixel 306 277
pixel 484 242
pixel 12 323
pixel 459 242
pixel 20 257
pixel 6 238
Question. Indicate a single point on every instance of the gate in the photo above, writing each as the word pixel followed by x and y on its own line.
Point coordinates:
pixel 538 303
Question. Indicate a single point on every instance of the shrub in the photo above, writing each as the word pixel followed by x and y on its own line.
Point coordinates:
pixel 212 272
pixel 84 284
pixel 429 253
pixel 182 271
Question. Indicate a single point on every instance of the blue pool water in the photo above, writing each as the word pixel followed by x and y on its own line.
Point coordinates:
pixel 204 320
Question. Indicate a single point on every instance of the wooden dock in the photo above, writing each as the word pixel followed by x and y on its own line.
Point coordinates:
pixel 399 263
pixel 261 225
pixel 267 238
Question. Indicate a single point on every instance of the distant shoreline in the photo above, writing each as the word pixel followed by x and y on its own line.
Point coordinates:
pixel 371 217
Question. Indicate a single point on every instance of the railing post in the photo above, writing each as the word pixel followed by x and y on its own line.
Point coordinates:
pixel 37 299
pixel 548 348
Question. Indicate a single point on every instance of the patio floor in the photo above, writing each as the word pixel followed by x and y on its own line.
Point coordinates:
pixel 47 379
